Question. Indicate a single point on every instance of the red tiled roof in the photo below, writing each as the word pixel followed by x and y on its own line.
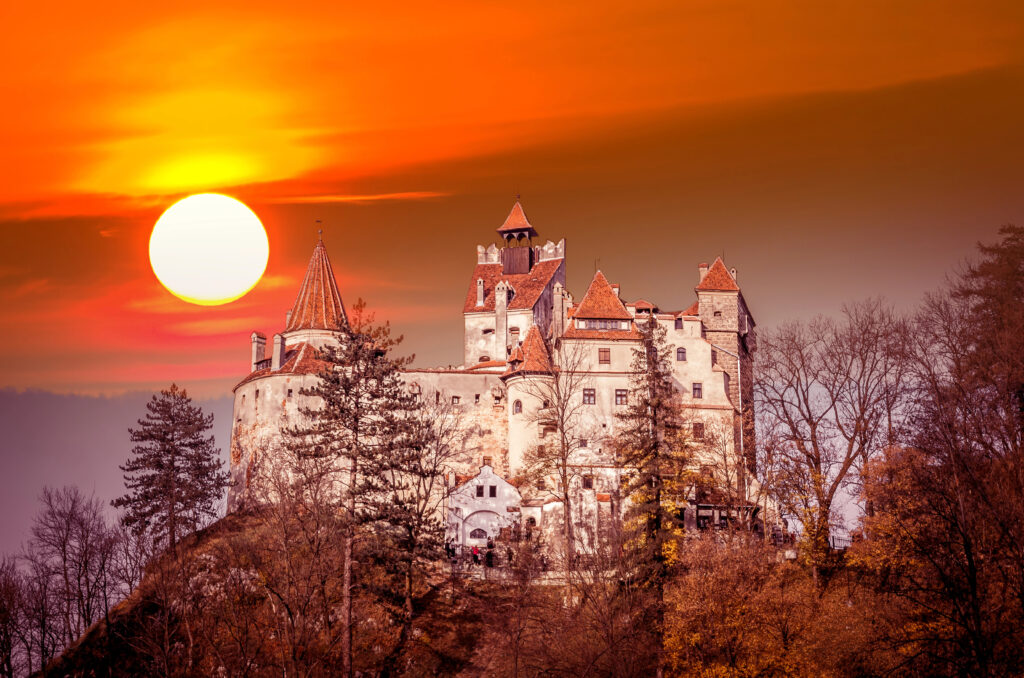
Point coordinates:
pixel 642 303
pixel 516 221
pixel 318 306
pixel 600 301
pixel 487 364
pixel 574 332
pixel 533 354
pixel 298 359
pixel 718 279
pixel 528 286
pixel 693 310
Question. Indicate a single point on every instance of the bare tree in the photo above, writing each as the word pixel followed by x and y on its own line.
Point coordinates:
pixel 561 419
pixel 830 389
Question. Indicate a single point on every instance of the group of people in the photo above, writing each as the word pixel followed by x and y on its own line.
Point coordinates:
pixel 486 557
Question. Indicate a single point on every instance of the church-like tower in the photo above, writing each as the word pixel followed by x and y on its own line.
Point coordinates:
pixel 267 400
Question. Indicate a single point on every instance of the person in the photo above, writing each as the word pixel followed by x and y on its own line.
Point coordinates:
pixel 490 558
pixel 510 555
pixel 476 555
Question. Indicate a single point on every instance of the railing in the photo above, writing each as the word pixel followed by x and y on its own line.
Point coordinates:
pixel 839 543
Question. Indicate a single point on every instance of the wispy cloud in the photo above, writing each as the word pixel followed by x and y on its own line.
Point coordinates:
pixel 358 198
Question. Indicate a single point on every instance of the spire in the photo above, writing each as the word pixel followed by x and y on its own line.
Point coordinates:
pixel 318 306
pixel 718 279
pixel 601 301
pixel 516 223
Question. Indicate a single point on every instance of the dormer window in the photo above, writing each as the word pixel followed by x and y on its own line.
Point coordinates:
pixel 485 358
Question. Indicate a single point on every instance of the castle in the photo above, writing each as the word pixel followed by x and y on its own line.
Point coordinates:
pixel 522 324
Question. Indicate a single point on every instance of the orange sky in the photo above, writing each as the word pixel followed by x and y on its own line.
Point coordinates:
pixel 831 150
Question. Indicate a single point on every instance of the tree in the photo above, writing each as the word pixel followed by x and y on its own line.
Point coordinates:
pixel 358 418
pixel 653 450
pixel 560 393
pixel 403 494
pixel 949 522
pixel 174 477
pixel 830 391
pixel 71 534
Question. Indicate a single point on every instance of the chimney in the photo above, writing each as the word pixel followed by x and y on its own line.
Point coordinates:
pixel 501 291
pixel 703 268
pixel 558 311
pixel 277 355
pixel 615 288
pixel 287 317
pixel 259 348
pixel 479 291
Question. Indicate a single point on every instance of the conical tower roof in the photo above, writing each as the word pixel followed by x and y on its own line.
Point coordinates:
pixel 516 222
pixel 318 306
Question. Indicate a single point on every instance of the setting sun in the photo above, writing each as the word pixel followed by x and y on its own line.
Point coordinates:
pixel 208 249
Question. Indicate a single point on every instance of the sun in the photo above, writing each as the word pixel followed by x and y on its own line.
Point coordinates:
pixel 208 249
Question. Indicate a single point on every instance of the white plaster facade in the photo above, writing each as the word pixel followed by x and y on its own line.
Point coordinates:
pixel 498 399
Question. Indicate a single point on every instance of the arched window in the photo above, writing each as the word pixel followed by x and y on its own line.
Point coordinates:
pixel 478 534
pixel 517 407
pixel 681 354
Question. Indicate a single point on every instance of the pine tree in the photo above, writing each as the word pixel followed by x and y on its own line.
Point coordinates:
pixel 653 452
pixel 356 437
pixel 174 477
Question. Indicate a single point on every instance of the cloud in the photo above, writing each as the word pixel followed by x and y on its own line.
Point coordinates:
pixel 356 198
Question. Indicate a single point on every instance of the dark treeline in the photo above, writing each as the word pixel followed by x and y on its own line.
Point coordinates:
pixel 338 568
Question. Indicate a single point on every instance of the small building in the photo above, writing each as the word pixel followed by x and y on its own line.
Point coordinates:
pixel 484 507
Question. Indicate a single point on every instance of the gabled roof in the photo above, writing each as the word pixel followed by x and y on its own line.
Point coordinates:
pixel 718 279
pixel 516 221
pixel 600 301
pixel 533 353
pixel 693 310
pixel 528 286
pixel 318 306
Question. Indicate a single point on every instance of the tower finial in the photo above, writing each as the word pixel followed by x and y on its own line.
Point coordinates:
pixel 320 231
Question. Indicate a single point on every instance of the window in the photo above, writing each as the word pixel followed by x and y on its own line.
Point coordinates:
pixel 437 397
pixel 478 534
pixel 541 484
pixel 621 396
pixel 681 355
pixel 531 522
pixel 589 396
pixel 455 400
pixel 476 398
pixel 540 450
pixel 698 430
pixel 698 389
pixel 488 331
pixel 517 407
pixel 257 396
pixel 679 323
pixel 718 314
pixel 494 491
pixel 604 356
pixel 289 393
pixel 487 461
pixel 485 358
pixel 479 490
pixel 583 442
pixel 588 482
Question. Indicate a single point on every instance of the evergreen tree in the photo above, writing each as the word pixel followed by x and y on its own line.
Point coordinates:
pixel 174 477
pixel 356 439
pixel 652 449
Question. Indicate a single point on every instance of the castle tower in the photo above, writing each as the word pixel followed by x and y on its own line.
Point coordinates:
pixel 729 327
pixel 511 290
pixel 269 399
